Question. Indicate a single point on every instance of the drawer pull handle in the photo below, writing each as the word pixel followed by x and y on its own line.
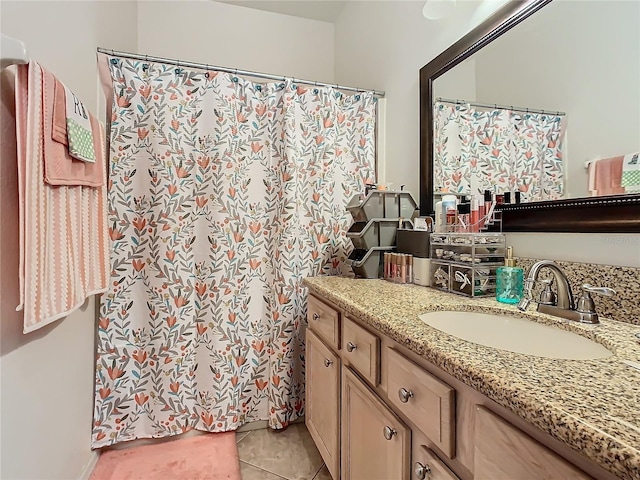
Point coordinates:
pixel 389 432
pixel 422 471
pixel 316 316
pixel 327 362
pixel 405 394
pixel 351 347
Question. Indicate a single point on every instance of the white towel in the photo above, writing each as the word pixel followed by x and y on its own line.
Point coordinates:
pixel 631 173
pixel 78 128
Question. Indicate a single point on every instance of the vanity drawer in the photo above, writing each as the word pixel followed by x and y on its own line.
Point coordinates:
pixel 427 466
pixel 361 351
pixel 423 398
pixel 324 321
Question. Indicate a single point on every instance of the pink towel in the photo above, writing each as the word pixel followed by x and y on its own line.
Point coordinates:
pixel 59 127
pixel 63 230
pixel 605 176
pixel 62 169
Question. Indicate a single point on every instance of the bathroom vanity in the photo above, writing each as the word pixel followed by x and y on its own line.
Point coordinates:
pixel 390 397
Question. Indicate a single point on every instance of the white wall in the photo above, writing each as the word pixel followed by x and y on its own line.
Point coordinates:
pixel 383 45
pixel 237 37
pixel 47 375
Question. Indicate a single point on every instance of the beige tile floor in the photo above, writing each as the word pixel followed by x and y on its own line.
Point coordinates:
pixel 289 454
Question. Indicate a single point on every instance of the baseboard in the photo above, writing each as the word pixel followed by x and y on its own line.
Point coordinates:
pixel 90 465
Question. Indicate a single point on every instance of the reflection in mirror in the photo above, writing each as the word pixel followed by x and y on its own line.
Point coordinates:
pixel 481 148
pixel 575 57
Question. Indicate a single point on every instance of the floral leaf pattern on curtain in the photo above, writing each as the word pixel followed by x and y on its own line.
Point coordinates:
pixel 223 195
pixel 498 150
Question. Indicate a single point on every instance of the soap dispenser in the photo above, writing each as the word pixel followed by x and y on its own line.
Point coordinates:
pixel 509 280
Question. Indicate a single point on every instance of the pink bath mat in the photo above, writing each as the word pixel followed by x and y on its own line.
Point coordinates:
pixel 212 456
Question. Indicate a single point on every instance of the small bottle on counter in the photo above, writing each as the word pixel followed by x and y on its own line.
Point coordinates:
pixel 474 216
pixel 385 269
pixel 449 204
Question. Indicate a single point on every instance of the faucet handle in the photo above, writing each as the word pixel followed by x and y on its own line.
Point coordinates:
pixel 606 291
pixel 547 297
pixel 586 306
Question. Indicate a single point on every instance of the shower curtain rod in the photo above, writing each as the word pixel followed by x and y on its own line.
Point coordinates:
pixel 235 71
pixel 494 105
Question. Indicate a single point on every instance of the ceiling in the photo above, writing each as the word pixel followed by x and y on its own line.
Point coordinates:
pixel 323 10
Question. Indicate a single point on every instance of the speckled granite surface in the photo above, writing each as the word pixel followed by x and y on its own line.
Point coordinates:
pixel 624 306
pixel 591 405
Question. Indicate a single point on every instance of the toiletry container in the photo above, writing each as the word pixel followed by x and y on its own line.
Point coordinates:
pixel 449 212
pixel 509 280
pixel 439 222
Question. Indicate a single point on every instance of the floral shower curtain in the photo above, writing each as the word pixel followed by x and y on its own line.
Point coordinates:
pixel 223 195
pixel 498 150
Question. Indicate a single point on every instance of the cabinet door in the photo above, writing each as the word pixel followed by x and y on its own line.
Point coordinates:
pixel 502 452
pixel 376 445
pixel 322 415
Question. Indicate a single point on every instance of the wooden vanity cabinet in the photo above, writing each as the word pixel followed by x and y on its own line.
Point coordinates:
pixel 376 444
pixel 322 396
pixel 378 411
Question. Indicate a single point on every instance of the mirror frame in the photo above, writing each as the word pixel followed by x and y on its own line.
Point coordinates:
pixel 608 214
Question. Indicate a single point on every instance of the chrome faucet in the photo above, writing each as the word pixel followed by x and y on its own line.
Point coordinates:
pixel 564 306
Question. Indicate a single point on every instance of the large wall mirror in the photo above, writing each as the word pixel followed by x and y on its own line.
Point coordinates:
pixel 579 60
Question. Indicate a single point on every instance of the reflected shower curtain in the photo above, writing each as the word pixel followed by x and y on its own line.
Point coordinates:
pixel 223 195
pixel 498 150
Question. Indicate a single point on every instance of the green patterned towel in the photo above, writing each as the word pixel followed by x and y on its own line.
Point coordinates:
pixel 631 173
pixel 80 142
pixel 78 129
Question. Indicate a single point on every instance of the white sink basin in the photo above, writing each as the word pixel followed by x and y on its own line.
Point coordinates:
pixel 516 335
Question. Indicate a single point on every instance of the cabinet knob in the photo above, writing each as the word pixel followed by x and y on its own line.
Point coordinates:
pixel 316 316
pixel 422 471
pixel 389 432
pixel 351 347
pixel 405 394
pixel 327 362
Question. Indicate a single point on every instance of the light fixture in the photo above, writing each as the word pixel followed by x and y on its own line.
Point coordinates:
pixel 437 9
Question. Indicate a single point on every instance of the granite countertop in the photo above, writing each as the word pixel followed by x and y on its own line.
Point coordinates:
pixel 591 405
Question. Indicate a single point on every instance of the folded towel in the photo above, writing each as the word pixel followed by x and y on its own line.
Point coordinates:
pixel 78 128
pixel 59 128
pixel 631 173
pixel 60 167
pixel 63 230
pixel 591 177
pixel 605 176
